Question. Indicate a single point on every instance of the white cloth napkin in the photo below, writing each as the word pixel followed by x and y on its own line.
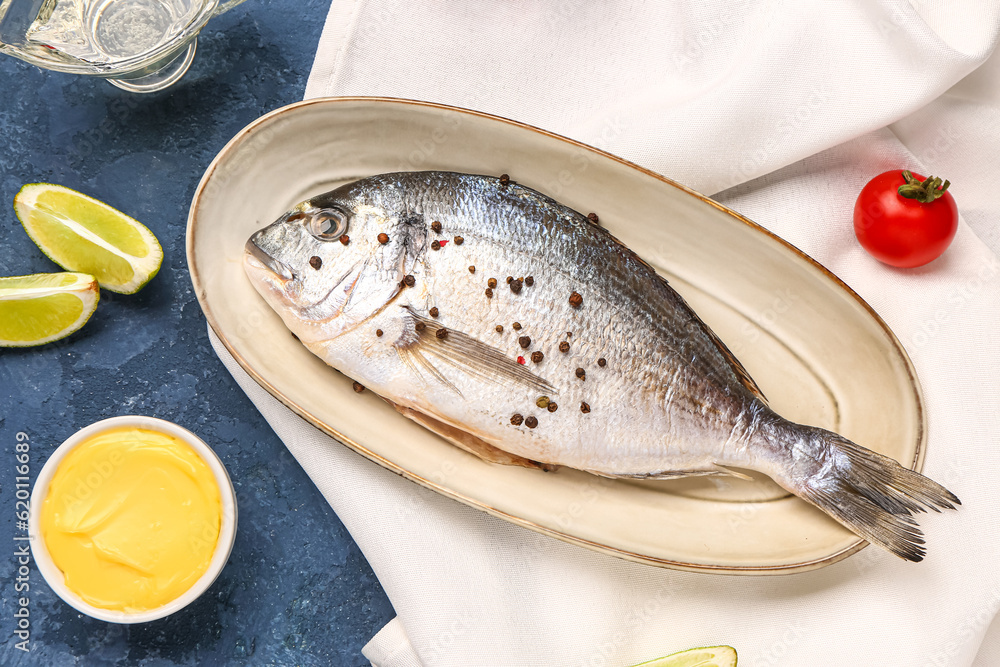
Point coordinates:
pixel 782 111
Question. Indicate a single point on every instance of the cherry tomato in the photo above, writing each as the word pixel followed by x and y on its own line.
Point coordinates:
pixel 905 220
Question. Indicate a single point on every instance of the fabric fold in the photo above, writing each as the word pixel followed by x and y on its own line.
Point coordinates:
pixel 781 111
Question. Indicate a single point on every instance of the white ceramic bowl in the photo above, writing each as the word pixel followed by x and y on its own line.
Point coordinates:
pixel 227 529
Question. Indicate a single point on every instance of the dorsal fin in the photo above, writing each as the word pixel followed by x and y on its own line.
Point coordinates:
pixel 738 370
pixel 741 373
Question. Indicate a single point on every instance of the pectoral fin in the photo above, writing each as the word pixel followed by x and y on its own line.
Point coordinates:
pixel 428 347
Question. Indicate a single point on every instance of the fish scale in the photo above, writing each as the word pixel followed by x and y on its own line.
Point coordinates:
pixel 670 401
pixel 536 226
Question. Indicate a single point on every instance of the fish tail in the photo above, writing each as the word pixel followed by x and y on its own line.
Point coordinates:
pixel 867 492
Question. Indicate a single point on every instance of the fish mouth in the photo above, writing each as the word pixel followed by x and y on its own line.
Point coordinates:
pixel 276 266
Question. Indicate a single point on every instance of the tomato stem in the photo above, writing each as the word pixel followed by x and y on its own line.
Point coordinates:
pixel 924 191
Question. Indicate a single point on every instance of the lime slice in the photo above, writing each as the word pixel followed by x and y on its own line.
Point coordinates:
pixel 44 307
pixel 80 233
pixel 706 656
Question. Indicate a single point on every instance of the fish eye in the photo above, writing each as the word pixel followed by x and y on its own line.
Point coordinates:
pixel 328 224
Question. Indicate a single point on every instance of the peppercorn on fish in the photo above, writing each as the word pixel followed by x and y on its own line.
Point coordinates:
pixel 522 332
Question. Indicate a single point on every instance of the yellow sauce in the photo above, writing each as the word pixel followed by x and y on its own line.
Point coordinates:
pixel 131 519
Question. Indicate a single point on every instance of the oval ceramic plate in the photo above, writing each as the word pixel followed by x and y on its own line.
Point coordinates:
pixel 819 353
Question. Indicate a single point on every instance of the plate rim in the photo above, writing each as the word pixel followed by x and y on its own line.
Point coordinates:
pixel 804 566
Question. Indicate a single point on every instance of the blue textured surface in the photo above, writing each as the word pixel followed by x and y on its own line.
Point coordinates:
pixel 297 589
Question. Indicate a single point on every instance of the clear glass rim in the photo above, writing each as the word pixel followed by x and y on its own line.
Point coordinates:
pixel 126 66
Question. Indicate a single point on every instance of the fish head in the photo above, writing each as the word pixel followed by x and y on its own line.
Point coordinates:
pixel 332 261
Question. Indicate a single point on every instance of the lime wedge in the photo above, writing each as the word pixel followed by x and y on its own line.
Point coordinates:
pixel 706 656
pixel 80 233
pixel 44 307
